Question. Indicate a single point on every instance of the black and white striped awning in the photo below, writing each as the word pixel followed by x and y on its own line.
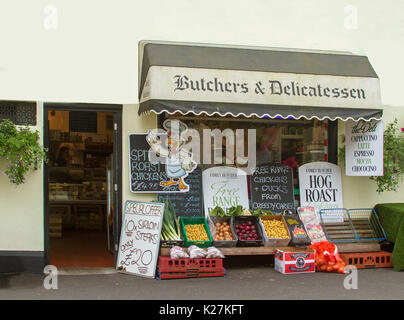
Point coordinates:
pixel 264 83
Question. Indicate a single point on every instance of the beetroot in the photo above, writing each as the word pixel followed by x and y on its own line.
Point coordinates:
pixel 247 231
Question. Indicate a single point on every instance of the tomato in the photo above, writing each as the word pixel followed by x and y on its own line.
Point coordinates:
pixel 329 269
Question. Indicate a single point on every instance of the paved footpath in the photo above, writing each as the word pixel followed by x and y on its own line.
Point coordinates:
pixel 240 283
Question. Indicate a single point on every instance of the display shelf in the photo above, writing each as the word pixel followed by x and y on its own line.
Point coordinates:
pixel 56 168
pixel 251 251
pixel 292 136
pixel 96 151
pixel 314 151
pixel 68 202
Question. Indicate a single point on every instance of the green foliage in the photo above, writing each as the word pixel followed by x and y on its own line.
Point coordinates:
pixel 20 147
pixel 393 159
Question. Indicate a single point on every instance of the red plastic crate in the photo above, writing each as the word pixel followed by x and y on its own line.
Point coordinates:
pixel 364 260
pixel 166 264
pixel 186 275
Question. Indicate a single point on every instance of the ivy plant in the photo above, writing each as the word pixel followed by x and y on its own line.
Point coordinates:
pixel 21 150
pixel 393 158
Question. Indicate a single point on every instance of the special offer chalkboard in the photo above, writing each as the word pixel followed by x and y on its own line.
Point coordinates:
pixel 140 238
pixel 189 203
pixel 272 188
pixel 145 176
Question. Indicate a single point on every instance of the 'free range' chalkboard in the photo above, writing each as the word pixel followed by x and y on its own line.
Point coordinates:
pixel 272 188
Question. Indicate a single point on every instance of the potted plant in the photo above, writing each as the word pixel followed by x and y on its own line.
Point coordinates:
pixel 21 150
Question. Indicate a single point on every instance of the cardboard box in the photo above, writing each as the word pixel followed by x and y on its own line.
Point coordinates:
pixel 294 260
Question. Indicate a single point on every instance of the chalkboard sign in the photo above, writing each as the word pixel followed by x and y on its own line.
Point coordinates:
pixel 272 188
pixel 188 204
pixel 140 238
pixel 144 175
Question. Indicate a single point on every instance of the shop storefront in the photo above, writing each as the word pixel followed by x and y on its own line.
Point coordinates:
pixel 292 102
pixel 295 102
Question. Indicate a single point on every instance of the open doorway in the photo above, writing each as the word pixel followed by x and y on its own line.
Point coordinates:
pixel 82 183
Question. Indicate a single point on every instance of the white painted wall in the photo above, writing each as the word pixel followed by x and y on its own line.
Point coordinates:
pixel 92 56
pixel 21 207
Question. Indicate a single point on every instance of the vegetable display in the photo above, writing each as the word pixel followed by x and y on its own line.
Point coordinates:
pixel 223 231
pixel 275 229
pixel 236 211
pixel 247 231
pixel 259 212
pixel 170 230
pixel 233 211
pixel 196 232
pixel 217 211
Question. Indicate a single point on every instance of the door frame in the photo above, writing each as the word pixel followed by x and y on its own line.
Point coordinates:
pixel 116 109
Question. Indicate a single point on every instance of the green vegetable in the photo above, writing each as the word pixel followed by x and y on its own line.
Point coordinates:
pixel 235 211
pixel 260 212
pixel 170 229
pixel 217 211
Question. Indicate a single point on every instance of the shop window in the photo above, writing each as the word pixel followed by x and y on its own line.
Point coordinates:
pixel 19 112
pixel 290 142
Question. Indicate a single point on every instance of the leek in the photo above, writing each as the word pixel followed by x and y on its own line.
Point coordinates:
pixel 171 223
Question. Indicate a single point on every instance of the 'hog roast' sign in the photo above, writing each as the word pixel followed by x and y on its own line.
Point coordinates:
pixel 320 187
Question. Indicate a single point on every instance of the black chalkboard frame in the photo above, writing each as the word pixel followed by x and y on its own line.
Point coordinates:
pixel 162 189
pixel 291 193
pixel 179 212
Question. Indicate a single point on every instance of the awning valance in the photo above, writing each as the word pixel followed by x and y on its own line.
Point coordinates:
pixel 256 110
pixel 266 83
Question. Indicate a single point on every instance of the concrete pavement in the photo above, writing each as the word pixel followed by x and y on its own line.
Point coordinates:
pixel 240 283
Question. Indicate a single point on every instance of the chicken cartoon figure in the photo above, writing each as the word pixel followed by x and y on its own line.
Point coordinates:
pixel 178 160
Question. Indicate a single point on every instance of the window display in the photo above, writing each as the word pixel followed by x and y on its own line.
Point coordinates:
pixel 290 142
